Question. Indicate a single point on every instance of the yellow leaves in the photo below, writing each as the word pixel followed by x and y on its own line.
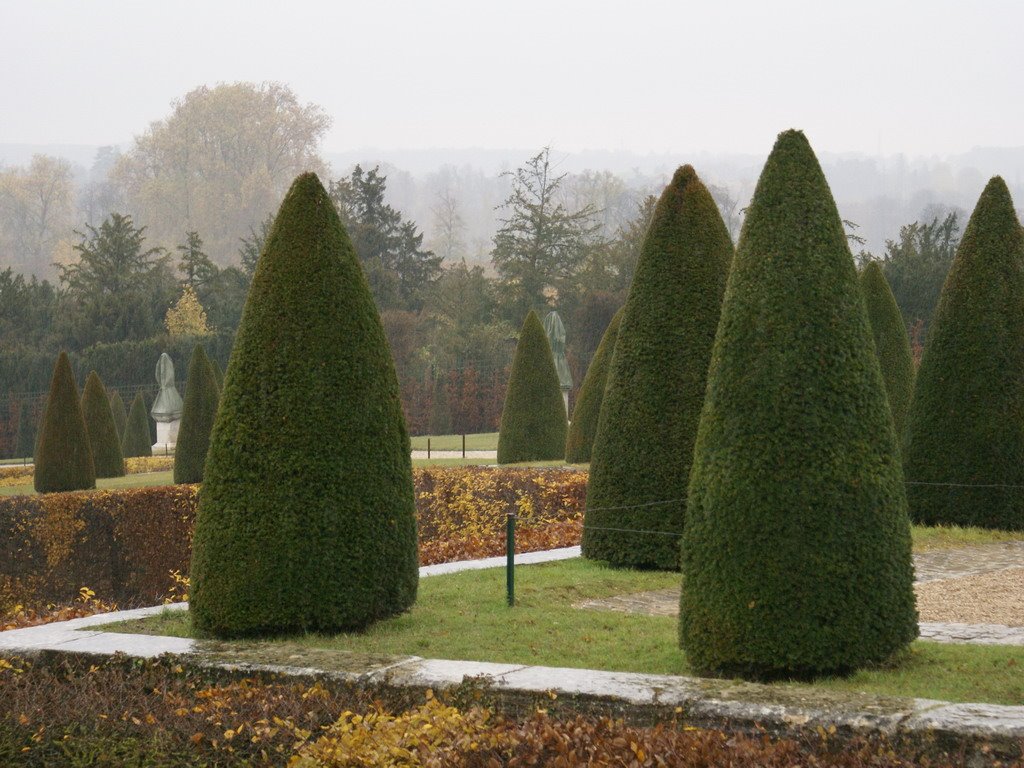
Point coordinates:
pixel 187 317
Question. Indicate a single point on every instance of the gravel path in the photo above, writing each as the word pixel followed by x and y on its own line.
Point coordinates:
pixel 988 598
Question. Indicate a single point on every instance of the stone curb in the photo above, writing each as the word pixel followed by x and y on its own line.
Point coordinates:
pixel 975 733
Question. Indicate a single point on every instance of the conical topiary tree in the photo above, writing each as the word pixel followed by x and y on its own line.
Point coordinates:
pixel 138 439
pixel 197 416
pixel 99 424
pixel 582 428
pixel 119 412
pixel 643 448
pixel 964 442
pixel 63 460
pixel 306 519
pixel 796 550
pixel 892 344
pixel 533 423
pixel 218 374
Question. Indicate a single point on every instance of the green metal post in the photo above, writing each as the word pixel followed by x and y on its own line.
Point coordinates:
pixel 510 556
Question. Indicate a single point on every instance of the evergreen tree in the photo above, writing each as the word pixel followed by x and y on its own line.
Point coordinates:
pixel 964 450
pixel 533 423
pixel 99 424
pixel 63 460
pixel 641 456
pixel 311 402
pixel 194 264
pixel 119 413
pixel 892 345
pixel 796 551
pixel 583 427
pixel 138 439
pixel 218 374
pixel 200 409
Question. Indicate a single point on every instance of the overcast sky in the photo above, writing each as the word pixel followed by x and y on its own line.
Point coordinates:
pixel 928 77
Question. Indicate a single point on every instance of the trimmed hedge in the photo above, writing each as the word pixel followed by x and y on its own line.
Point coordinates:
pixel 99 424
pixel 964 450
pixel 307 520
pixel 125 544
pixel 640 461
pixel 198 413
pixel 892 344
pixel 138 440
pixel 580 439
pixel 63 460
pixel 121 544
pixel 119 413
pixel 796 550
pixel 533 420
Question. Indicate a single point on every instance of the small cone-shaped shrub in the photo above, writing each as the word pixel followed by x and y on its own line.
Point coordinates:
pixel 796 550
pixel 63 460
pixel 583 427
pixel 964 443
pixel 533 422
pixel 138 439
pixel 306 519
pixel 218 374
pixel 892 344
pixel 99 424
pixel 197 416
pixel 640 461
pixel 120 414
pixel 440 411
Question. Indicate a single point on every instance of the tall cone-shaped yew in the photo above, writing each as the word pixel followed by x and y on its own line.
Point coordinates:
pixel 583 427
pixel 533 421
pixel 137 439
pixel 63 460
pixel 964 450
pixel 198 413
pixel 642 453
pixel 796 550
pixel 306 520
pixel 892 344
pixel 119 413
pixel 99 423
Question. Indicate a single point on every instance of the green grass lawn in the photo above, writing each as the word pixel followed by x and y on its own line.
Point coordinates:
pixel 483 441
pixel 140 480
pixel 464 616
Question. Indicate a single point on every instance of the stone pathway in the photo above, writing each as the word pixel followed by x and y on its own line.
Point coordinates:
pixel 929 567
pixel 968 561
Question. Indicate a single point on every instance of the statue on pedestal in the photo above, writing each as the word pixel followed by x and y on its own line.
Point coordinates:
pixel 167 407
pixel 555 330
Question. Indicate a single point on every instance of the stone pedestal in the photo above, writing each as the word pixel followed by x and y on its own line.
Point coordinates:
pixel 565 399
pixel 166 437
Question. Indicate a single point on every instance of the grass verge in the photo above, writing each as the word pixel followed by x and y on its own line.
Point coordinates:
pixel 464 616
pixel 483 441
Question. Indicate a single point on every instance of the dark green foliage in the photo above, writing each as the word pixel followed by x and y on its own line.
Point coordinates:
pixel 892 344
pixel 582 428
pixel 306 518
pixel 218 373
pixel 119 413
pixel 138 439
pixel 200 409
pixel 796 550
pixel 99 424
pixel 25 437
pixel 440 410
pixel 533 420
pixel 643 447
pixel 63 460
pixel 964 449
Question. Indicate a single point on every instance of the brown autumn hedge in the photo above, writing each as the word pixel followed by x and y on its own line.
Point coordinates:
pixel 124 544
